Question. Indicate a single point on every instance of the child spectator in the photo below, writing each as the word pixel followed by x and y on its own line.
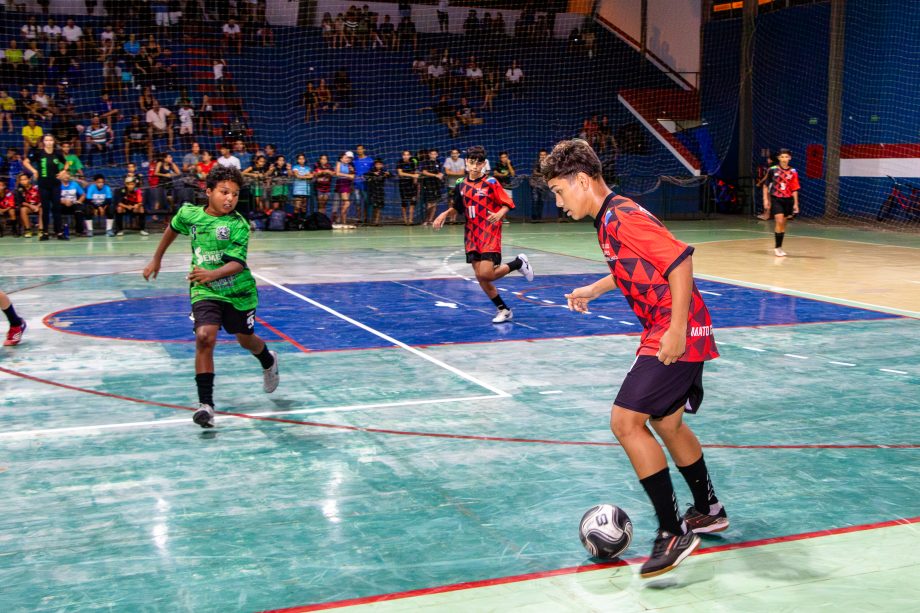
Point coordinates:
pixel 323 173
pixel 257 173
pixel 99 204
pixel 7 108
pixel 302 188
pixel 130 200
pixel 279 173
pixel 7 205
pixel 203 167
pixel 376 179
pixel 29 202
pixel 344 184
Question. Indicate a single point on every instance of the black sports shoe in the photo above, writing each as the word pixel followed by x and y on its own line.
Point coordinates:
pixel 669 551
pixel 701 523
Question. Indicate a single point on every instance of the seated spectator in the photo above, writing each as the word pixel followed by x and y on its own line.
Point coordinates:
pixel 145 100
pixel 436 72
pixel 137 139
pixel 31 135
pixel 14 57
pixel 265 34
pixel 72 198
pixel 466 114
pixel 106 43
pixel 63 63
pixel 72 34
pixel 30 30
pixel 51 33
pixel 29 202
pixel 131 46
pixel 605 134
pixel 515 78
pixel 42 101
pixel 190 160
pixel 323 95
pixel 99 203
pixel 473 76
pixel 33 59
pixel 99 141
pixel 7 108
pixel 130 201
pixel 107 110
pixel 205 113
pixel 159 123
pixel 226 159
pixel 447 115
pixel 406 34
pixel 7 206
pixel 589 130
pixel 233 35
pixel 240 153
pixel 490 86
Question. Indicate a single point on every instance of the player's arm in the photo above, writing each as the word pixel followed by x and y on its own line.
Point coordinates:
pixel 152 268
pixel 456 206
pixel 795 193
pixel 500 197
pixel 580 297
pixel 203 275
pixel 674 341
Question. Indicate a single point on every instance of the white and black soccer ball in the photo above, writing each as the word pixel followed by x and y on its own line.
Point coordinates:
pixel 605 531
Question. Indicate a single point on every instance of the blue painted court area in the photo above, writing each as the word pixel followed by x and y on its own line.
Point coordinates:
pixel 437 312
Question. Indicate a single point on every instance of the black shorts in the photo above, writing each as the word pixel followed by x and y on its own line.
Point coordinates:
pixel 652 388
pixel 222 314
pixel 431 193
pixel 781 206
pixel 491 256
pixel 407 192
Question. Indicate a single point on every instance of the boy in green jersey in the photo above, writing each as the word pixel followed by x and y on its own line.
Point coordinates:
pixel 223 290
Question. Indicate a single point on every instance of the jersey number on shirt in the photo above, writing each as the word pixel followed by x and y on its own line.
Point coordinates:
pixel 471 211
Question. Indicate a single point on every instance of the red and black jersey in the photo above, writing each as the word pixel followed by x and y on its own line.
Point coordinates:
pixel 782 182
pixel 8 201
pixel 641 253
pixel 477 200
pixel 29 195
pixel 132 197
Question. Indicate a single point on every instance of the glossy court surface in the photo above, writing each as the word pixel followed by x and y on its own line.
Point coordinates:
pixel 418 457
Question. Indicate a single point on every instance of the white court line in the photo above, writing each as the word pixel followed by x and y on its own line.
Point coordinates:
pixel 605 317
pixel 797 357
pixel 627 323
pixel 186 421
pixel 387 338
pixel 897 372
pixel 753 349
pixel 548 392
pixel 792 292
pixel 547 302
pixel 702 291
pixel 841 363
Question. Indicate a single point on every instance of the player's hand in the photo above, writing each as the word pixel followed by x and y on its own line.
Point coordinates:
pixel 673 345
pixel 152 269
pixel 201 275
pixel 795 209
pixel 438 222
pixel 579 298
pixel 497 216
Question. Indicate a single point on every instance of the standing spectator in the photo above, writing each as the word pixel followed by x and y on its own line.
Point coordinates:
pixel 137 139
pixel 328 28
pixel 471 25
pixel 341 84
pixel 44 6
pixel 443 16
pixel 217 66
pixel 362 163
pixel 90 7
pixel 257 174
pixel 310 103
pixel 498 25
pixel 515 78
pixel 186 121
pixel 454 171
pixel 7 108
pixel 99 140
pixel 160 123
pixel 279 176
pixel 376 179
pixel 388 33
pixel 406 33
pixel 205 113
pixel 407 171
pixel 405 9
pixel 31 135
pixel 322 178
pixel 323 95
pixel 540 191
pixel 233 35
pixel 431 178
pixel 46 163
pixel 302 189
pixel 504 170
pixel 160 10
pixel 344 182
pixel 168 174
pixel 99 203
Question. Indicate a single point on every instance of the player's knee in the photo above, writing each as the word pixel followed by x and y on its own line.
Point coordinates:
pixel 625 423
pixel 205 339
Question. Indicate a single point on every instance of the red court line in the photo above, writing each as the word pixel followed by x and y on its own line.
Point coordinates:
pixel 467 437
pixel 467 585
pixel 282 334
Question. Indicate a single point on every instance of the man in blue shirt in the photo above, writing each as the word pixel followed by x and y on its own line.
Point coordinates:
pixel 363 163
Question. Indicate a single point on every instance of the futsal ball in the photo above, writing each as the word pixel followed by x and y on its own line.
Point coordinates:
pixel 605 531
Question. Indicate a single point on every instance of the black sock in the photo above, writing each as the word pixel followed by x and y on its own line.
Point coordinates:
pixel 515 264
pixel 498 302
pixel 205 383
pixel 660 491
pixel 12 317
pixel 697 478
pixel 265 358
pixel 779 238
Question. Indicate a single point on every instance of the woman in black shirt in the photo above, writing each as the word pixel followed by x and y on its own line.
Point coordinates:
pixel 46 163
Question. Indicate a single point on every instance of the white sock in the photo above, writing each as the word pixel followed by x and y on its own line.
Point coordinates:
pixel 108 224
pixel 715 508
pixel 89 225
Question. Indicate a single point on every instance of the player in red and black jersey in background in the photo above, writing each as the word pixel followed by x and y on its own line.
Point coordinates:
pixel 485 203
pixel 654 271
pixel 781 197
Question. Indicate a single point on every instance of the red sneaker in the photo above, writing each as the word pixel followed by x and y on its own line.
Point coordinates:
pixel 14 334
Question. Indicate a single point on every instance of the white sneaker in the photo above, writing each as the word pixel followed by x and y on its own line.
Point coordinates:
pixel 270 376
pixel 120 233
pixel 526 268
pixel 144 233
pixel 503 316
pixel 779 253
pixel 204 416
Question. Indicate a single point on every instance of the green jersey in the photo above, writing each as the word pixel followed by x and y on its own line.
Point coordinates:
pixel 215 242
pixel 75 164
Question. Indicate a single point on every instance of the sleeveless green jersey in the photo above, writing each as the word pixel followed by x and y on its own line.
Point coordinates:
pixel 215 242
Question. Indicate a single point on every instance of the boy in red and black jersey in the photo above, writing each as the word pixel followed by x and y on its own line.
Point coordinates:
pixel 29 202
pixel 130 199
pixel 654 271
pixel 781 197
pixel 485 203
